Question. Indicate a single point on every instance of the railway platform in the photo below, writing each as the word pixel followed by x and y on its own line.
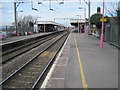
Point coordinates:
pixel 19 38
pixel 83 64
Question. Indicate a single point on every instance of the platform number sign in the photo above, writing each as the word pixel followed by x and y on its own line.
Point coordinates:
pixel 103 20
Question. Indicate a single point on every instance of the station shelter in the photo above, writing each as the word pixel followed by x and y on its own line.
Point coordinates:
pixel 48 26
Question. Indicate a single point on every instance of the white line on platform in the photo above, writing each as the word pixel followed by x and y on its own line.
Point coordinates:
pixel 53 66
pixel 57 78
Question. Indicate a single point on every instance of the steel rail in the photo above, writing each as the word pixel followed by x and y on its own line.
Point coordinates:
pixel 42 37
pixel 10 76
pixel 36 42
pixel 37 81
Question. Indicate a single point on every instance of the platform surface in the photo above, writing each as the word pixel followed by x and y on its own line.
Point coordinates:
pixel 83 64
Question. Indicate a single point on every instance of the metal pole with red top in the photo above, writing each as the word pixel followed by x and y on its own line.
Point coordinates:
pixel 85 22
pixel 101 38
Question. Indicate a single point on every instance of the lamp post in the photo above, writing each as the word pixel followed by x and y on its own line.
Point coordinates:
pixel 17 21
pixel 32 6
pixel 78 23
pixel 16 4
pixel 85 20
pixel 50 6
pixel 62 2
pixel 101 38
pixel 88 3
pixel 38 27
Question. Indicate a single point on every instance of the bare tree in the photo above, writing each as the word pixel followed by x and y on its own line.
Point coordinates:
pixel 113 10
pixel 26 21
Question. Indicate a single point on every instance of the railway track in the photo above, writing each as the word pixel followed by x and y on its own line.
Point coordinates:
pixel 10 54
pixel 31 73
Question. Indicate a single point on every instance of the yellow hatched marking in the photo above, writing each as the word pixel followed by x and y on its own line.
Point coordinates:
pixel 51 54
pixel 45 53
pixel 84 83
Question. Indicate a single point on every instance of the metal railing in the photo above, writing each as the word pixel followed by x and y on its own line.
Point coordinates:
pixel 111 34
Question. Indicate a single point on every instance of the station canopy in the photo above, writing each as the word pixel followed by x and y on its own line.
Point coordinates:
pixel 49 23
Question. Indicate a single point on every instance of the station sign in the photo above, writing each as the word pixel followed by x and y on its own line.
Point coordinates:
pixel 103 20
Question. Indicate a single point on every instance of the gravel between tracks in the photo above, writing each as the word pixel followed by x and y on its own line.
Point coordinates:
pixel 16 63
pixel 22 79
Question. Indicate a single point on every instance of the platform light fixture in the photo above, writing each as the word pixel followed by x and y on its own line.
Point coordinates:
pixel 84 19
pixel 51 9
pixel 16 5
pixel 79 23
pixel 50 6
pixel 17 17
pixel 40 2
pixel 89 6
pixel 32 6
pixel 61 2
pixel 35 9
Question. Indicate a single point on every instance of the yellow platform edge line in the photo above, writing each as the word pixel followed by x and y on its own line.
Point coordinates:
pixel 84 83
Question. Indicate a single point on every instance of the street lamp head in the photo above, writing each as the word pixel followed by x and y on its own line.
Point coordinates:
pixel 61 3
pixel 34 9
pixel 78 15
pixel 21 11
pixel 80 8
pixel 51 9
pixel 39 2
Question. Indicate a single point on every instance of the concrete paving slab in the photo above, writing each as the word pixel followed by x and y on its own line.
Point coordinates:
pixel 56 83
pixel 59 72
pixel 100 64
pixel 62 61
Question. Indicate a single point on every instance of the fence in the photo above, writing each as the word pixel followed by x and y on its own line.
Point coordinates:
pixel 111 34
pixel 10 31
pixel 22 30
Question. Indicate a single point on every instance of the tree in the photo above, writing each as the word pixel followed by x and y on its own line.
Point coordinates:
pixel 27 21
pixel 95 19
pixel 112 11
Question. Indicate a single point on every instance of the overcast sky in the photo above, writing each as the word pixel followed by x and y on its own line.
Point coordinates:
pixel 68 10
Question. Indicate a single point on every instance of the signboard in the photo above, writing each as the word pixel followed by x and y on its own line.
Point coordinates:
pixel 103 20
